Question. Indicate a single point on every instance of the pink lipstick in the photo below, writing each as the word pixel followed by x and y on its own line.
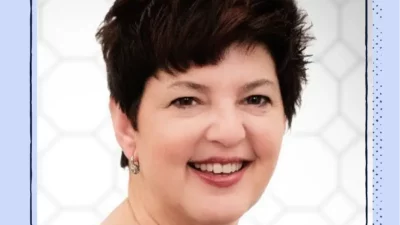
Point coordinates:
pixel 220 172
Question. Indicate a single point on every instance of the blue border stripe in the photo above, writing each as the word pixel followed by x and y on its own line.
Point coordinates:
pixel 18 148
pixel 386 19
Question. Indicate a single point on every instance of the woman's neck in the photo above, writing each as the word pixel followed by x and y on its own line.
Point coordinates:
pixel 149 209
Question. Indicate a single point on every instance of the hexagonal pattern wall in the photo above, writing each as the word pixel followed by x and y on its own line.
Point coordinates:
pixel 320 179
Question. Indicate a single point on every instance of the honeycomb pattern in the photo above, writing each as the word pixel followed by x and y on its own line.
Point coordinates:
pixel 319 179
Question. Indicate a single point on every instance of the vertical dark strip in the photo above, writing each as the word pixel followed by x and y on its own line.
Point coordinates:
pixel 366 112
pixel 30 111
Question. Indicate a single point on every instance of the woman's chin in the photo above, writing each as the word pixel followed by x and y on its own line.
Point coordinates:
pixel 218 213
pixel 224 206
pixel 219 218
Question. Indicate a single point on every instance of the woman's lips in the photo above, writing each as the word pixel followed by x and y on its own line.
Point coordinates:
pixel 220 179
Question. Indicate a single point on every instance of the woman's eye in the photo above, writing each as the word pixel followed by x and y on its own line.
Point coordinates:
pixel 259 100
pixel 184 102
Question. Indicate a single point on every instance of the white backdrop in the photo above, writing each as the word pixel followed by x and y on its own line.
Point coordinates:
pixel 320 178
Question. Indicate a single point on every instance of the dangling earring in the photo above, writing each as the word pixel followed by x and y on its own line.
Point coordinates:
pixel 134 165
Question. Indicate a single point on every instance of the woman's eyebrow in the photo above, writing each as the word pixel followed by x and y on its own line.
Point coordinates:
pixel 256 84
pixel 190 85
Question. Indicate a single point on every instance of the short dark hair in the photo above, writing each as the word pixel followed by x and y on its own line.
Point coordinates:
pixel 140 37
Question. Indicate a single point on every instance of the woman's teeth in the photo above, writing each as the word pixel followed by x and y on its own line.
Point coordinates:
pixel 219 168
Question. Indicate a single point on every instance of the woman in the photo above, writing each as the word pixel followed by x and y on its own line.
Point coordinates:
pixel 201 94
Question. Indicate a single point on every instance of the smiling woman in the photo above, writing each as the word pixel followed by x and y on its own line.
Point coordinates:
pixel 201 94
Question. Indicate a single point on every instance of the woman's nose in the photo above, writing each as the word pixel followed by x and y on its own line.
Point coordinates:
pixel 226 128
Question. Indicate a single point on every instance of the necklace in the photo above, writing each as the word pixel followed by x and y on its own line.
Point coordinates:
pixel 132 212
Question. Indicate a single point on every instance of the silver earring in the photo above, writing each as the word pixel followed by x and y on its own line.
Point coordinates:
pixel 134 166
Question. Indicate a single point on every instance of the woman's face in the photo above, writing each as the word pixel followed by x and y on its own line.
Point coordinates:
pixel 208 140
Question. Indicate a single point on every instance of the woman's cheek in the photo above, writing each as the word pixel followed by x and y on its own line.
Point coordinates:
pixel 173 144
pixel 266 137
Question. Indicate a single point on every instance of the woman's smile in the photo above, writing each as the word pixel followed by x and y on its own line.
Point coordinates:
pixel 221 175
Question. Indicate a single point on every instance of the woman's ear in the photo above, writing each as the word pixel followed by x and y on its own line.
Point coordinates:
pixel 287 128
pixel 124 132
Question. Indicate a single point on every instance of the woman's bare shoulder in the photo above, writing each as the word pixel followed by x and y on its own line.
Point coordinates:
pixel 121 215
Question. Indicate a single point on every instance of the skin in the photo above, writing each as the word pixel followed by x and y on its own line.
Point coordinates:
pixel 221 116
